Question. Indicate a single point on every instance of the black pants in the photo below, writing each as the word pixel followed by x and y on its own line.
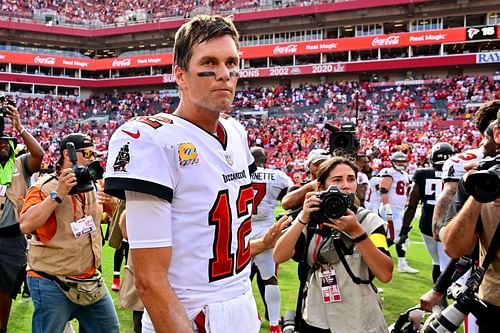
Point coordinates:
pixel 311 329
pixel 487 319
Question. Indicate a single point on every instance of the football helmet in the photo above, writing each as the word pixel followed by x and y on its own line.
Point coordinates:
pixel 440 152
pixel 399 161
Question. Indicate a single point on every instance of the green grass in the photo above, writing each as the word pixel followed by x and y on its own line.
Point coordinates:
pixel 401 293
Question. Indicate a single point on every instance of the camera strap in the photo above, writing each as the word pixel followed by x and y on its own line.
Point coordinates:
pixel 337 242
pixel 492 249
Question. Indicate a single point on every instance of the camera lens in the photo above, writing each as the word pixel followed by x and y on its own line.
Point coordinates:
pixel 334 207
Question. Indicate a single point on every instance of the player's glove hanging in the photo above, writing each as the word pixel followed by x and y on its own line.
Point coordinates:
pixel 388 212
pixel 403 234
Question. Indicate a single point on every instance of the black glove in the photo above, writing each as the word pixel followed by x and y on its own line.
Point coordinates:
pixel 403 235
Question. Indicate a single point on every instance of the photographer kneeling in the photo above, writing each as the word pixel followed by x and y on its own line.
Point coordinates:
pixel 479 219
pixel 346 247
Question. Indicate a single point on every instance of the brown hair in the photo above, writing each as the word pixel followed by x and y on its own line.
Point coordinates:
pixel 199 29
pixel 326 167
pixel 486 114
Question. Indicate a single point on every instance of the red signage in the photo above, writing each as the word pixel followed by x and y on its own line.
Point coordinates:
pixel 355 43
pixel 250 52
pixel 86 64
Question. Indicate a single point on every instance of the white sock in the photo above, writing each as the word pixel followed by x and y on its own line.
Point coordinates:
pixel 402 261
pixel 273 302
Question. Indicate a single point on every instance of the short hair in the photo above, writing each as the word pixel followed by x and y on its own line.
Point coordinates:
pixel 199 29
pixel 486 114
pixel 259 154
pixel 327 166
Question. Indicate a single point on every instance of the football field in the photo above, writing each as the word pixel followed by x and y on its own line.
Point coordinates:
pixel 401 293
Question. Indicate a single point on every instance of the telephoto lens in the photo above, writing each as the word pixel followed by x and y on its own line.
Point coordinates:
pixel 289 322
pixel 448 320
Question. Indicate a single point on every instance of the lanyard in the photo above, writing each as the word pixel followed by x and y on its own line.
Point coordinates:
pixel 74 205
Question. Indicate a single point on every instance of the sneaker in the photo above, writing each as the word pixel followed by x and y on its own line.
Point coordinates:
pixel 116 284
pixel 407 269
pixel 274 329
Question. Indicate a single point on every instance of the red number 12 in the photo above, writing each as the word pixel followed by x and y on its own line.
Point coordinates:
pixel 222 264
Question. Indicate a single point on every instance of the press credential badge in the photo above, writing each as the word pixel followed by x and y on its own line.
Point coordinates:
pixel 83 226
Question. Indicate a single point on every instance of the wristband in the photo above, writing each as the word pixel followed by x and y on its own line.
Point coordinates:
pixel 388 209
pixel 22 131
pixel 360 238
pixel 298 219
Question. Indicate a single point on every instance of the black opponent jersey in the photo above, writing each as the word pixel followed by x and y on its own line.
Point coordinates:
pixel 430 186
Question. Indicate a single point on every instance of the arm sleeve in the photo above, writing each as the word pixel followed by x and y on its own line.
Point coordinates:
pixel 149 223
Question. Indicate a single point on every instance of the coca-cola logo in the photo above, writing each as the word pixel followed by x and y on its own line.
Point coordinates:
pixel 289 49
pixel 122 62
pixel 45 60
pixel 386 41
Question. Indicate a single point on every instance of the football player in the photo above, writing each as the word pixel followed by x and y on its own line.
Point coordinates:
pixel 269 185
pixel 186 180
pixel 426 187
pixel 372 197
pixel 394 185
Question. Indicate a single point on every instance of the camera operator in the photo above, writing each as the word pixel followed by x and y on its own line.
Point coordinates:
pixel 295 196
pixel 345 253
pixel 66 246
pixel 478 221
pixel 15 174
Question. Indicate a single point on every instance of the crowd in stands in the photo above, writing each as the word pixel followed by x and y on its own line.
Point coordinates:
pixel 410 118
pixel 114 11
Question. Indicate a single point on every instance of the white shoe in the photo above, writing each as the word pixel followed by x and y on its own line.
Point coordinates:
pixel 380 290
pixel 407 269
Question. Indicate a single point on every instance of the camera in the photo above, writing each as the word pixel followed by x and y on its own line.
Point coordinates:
pixel 85 175
pixel 484 185
pixel 4 103
pixel 334 204
pixel 289 322
pixel 342 140
pixel 466 300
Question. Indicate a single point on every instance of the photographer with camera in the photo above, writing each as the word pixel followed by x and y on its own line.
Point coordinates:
pixel 15 173
pixel 478 220
pixel 63 214
pixel 346 247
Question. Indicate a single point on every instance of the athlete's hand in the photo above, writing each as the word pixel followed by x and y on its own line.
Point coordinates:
pixel 275 231
pixel 429 299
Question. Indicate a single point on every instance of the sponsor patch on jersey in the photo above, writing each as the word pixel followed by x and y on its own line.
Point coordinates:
pixel 188 154
pixel 122 159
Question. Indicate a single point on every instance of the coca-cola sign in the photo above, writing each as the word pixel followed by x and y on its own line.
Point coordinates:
pixel 44 60
pixel 122 62
pixel 289 49
pixel 385 41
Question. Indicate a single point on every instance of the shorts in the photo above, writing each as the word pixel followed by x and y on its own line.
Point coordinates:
pixel 12 262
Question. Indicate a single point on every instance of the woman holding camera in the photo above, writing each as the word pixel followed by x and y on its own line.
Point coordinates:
pixel 344 254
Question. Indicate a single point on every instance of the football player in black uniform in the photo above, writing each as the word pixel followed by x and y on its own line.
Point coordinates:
pixel 426 187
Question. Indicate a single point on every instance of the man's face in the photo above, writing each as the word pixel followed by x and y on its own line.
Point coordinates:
pixel 5 150
pixel 212 75
pixel 363 164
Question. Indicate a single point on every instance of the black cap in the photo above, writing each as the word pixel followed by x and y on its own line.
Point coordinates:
pixel 80 141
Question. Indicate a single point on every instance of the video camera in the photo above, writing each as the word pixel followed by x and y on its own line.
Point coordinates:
pixel 343 140
pixel 484 185
pixel 334 205
pixel 85 175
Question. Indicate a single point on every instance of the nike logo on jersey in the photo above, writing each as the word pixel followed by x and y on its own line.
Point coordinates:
pixel 135 135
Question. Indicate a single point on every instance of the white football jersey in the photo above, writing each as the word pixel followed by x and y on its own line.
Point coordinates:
pixel 372 197
pixel 453 168
pixel 206 178
pixel 267 185
pixel 398 193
